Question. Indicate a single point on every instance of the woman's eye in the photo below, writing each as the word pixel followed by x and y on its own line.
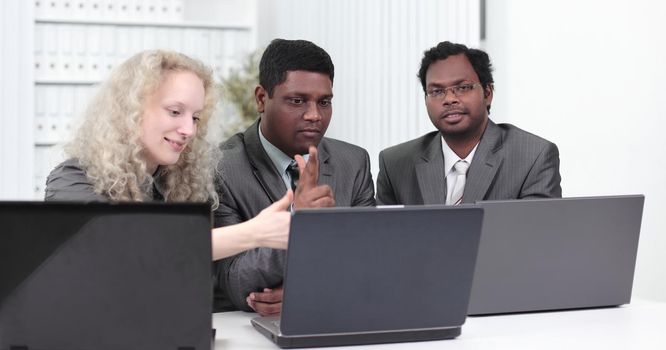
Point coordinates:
pixel 196 118
pixel 174 113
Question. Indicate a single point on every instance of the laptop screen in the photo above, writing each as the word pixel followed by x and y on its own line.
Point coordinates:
pixel 105 276
pixel 372 270
pixel 551 254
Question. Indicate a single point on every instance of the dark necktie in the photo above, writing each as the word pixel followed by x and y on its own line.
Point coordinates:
pixel 292 171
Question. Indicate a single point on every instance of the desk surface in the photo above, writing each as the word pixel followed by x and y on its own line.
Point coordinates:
pixel 640 325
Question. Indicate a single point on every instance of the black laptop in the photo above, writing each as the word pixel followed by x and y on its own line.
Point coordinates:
pixel 376 275
pixel 105 276
pixel 555 254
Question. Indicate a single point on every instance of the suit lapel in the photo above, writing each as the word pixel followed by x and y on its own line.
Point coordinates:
pixel 262 166
pixel 430 173
pixel 485 164
pixel 326 169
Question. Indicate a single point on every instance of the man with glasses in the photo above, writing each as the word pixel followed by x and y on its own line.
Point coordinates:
pixel 469 158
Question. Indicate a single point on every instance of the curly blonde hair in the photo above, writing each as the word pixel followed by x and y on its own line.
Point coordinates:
pixel 108 147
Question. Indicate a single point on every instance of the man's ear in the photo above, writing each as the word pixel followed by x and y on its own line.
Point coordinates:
pixel 260 96
pixel 488 94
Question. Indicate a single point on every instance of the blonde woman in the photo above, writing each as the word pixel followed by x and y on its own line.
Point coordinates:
pixel 143 139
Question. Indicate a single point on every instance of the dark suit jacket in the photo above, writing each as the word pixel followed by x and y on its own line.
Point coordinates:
pixel 509 163
pixel 249 182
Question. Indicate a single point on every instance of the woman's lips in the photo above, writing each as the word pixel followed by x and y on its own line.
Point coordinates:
pixel 176 146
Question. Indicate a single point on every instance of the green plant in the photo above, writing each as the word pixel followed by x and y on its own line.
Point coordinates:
pixel 237 90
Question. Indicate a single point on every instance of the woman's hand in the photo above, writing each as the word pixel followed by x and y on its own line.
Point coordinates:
pixel 269 229
pixel 271 226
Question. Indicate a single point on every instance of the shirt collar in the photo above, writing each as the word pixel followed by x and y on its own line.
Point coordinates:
pixel 279 158
pixel 450 157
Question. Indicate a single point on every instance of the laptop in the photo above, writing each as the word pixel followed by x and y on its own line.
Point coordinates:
pixel 556 254
pixel 375 275
pixel 105 276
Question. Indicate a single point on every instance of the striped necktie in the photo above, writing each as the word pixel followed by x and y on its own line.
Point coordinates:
pixel 460 167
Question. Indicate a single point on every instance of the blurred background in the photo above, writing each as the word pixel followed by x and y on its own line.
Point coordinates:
pixel 587 75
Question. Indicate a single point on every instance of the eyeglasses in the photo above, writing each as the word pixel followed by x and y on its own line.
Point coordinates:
pixel 458 90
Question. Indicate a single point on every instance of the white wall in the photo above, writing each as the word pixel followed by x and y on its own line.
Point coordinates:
pixel 376 47
pixel 590 76
pixel 16 118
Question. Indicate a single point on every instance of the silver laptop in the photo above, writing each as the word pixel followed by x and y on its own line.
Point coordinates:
pixel 105 276
pixel 553 254
pixel 376 275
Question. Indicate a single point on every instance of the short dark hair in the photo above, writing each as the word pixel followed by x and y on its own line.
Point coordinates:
pixel 282 56
pixel 479 60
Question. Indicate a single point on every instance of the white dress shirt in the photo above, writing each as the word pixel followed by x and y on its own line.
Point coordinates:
pixel 450 159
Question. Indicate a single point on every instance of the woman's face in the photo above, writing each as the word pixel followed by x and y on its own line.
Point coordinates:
pixel 170 118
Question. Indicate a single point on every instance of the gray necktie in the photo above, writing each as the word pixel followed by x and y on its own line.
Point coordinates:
pixel 460 167
pixel 292 171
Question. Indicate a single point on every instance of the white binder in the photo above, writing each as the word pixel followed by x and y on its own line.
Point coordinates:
pixel 176 38
pixel 52 66
pixel 82 98
pixel 217 53
pixel 123 10
pixel 40 52
pixel 57 8
pixel 52 115
pixel 94 9
pixel 94 49
pixel 80 54
pixel 108 58
pixel 162 38
pixel 135 42
pixel 66 116
pixel 149 38
pixel 41 9
pixel 76 9
pixel 40 172
pixel 41 120
pixel 123 37
pixel 177 12
pixel 67 67
pixel 109 10
pixel 135 10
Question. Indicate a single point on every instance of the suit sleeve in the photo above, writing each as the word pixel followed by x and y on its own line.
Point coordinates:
pixel 543 180
pixel 385 194
pixel 227 212
pixel 365 195
pixel 237 276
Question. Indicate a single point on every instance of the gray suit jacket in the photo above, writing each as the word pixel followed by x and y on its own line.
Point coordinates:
pixel 509 163
pixel 68 182
pixel 249 182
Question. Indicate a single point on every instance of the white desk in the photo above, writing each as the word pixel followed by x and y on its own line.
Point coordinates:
pixel 641 325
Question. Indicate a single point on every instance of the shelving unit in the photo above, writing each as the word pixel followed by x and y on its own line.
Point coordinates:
pixel 77 44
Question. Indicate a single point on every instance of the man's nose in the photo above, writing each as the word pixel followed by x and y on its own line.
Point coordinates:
pixel 449 97
pixel 312 112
